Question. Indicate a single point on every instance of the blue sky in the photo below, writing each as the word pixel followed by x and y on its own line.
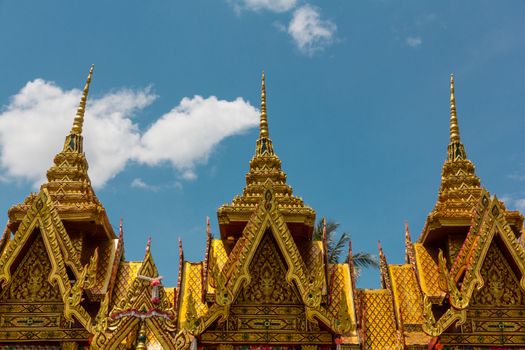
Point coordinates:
pixel 357 106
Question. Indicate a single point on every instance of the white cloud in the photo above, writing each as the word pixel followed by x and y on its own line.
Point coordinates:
pixel 35 122
pixel 258 5
pixel 310 33
pixel 139 183
pixel 187 134
pixel 414 41
pixel 37 119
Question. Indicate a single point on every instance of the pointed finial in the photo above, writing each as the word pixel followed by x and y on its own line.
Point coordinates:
pixel 148 245
pixel 208 226
pixel 410 257
pixel 383 268
pixel 324 229
pixel 454 128
pixel 121 228
pixel 181 251
pixel 79 117
pixel 263 127
pixel 382 257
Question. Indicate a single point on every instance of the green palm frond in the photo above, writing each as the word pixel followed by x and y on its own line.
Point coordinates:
pixel 336 246
pixel 365 259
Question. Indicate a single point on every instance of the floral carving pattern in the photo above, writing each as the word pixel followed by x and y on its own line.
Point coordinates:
pixel 30 281
pixel 501 286
pixel 268 284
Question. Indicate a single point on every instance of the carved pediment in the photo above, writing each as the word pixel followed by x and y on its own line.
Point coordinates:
pixel 268 278
pixel 501 286
pixel 31 304
pixel 495 313
pixel 30 280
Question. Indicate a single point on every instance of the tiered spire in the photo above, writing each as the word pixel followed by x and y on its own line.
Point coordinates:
pixel 265 167
pixel 460 187
pixel 68 181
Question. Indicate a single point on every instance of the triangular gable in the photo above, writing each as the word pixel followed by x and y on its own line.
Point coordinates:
pixel 267 216
pixel 476 245
pixel 30 281
pixel 236 273
pixel 31 305
pixel 138 303
pixel 42 215
pixel 489 221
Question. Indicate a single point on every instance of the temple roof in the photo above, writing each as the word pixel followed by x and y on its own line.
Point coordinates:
pixel 379 321
pixel 428 272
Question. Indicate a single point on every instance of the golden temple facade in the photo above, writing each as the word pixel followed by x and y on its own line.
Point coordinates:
pixel 264 283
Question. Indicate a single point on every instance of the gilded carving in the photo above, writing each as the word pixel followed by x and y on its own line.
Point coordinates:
pixel 267 278
pixel 30 281
pixel 435 328
pixel 448 284
pixel 501 285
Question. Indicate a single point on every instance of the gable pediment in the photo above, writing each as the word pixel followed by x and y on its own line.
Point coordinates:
pixel 501 286
pixel 268 284
pixel 32 304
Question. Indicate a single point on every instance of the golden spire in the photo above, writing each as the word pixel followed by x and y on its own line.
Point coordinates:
pixel 265 168
pixel 454 128
pixel 264 146
pixel 456 150
pixel 79 117
pixel 263 127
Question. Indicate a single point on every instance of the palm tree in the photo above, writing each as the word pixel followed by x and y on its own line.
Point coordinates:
pixel 336 247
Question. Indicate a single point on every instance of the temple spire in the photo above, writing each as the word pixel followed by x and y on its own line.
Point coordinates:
pixel 460 187
pixel 263 126
pixel 454 128
pixel 79 117
pixel 265 170
pixel 456 150
pixel 264 145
